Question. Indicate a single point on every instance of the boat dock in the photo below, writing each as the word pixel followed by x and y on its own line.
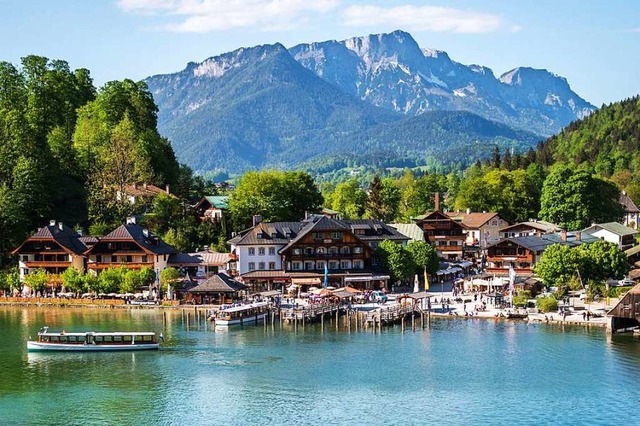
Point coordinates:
pixel 310 313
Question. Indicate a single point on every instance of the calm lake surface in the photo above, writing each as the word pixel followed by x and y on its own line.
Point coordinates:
pixel 458 372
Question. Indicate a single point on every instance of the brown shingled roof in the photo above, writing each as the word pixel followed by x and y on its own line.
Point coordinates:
pixel 473 219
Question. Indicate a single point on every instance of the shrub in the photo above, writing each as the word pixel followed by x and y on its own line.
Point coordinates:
pixel 521 299
pixel 547 304
pixel 619 291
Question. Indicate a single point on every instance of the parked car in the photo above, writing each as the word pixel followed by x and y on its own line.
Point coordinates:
pixel 378 296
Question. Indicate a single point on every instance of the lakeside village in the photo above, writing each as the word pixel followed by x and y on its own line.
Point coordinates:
pixel 325 264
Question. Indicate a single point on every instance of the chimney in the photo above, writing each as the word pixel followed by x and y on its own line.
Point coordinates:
pixel 579 236
pixel 256 219
pixel 79 232
pixel 134 185
pixel 131 220
pixel 468 210
pixel 166 188
pixel 144 185
pixel 436 201
pixel 206 248
pixel 60 225
pixel 52 222
pixel 563 235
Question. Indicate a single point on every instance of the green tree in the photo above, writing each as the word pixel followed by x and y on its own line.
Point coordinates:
pixel 275 195
pixel 111 279
pixel 91 282
pixel 424 256
pixel 394 259
pixel 603 260
pixel 349 199
pixel 37 280
pixel 558 264
pixel 574 199
pixel 73 280
pixel 168 276
pixel 147 276
pixel 132 282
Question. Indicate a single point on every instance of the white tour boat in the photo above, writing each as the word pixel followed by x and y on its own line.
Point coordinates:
pixel 93 341
pixel 241 314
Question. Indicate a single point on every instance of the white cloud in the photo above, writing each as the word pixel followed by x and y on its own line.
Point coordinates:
pixel 425 18
pixel 202 16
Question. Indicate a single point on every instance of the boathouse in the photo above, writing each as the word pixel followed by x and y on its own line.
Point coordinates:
pixel 626 314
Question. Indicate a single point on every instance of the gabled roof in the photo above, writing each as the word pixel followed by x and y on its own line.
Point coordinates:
pixel 472 220
pixel 375 230
pixel 410 230
pixel 199 258
pixel 142 237
pixel 68 239
pixel 613 227
pixel 540 243
pixel 317 223
pixel 628 204
pixel 144 190
pixel 218 201
pixel 263 233
pixel 218 283
pixel 540 225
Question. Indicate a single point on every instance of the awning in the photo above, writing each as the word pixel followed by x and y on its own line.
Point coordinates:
pixel 367 278
pixel 306 281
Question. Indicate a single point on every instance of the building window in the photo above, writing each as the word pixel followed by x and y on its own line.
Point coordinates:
pixel 318 235
pixel 261 266
pixel 99 258
pixel 333 250
pixel 333 264
pixel 336 235
pixel 25 258
pixel 128 259
pixel 252 266
pixel 345 250
pixel 321 250
pixel 357 250
pixel 272 251
pixel 297 251
pixel 272 266
pixel 114 259
pixel 308 250
pixel 297 266
pixel 261 251
pixel 320 264
pixel 308 266
pixel 252 251
pixel 145 259
pixel 357 264
pixel 345 264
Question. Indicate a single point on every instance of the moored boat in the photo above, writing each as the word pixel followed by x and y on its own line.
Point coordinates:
pixel 241 314
pixel 93 341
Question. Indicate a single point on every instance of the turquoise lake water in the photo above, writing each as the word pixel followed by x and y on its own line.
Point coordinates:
pixel 463 372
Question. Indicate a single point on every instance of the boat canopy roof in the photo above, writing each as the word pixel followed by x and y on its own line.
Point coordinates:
pixel 245 307
pixel 94 333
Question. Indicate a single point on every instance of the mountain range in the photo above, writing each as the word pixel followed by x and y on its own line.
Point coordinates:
pixel 371 98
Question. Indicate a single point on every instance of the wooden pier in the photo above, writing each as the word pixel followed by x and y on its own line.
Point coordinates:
pixel 310 313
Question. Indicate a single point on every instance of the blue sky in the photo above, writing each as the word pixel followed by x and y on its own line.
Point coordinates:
pixel 594 44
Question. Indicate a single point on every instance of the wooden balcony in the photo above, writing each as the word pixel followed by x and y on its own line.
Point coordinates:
pixel 46 264
pixel 128 265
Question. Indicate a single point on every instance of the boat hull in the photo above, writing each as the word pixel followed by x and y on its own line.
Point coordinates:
pixel 240 321
pixel 64 347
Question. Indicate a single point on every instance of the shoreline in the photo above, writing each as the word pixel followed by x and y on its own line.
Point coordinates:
pixel 549 319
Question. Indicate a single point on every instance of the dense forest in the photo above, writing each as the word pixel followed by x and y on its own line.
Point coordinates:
pixel 68 148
